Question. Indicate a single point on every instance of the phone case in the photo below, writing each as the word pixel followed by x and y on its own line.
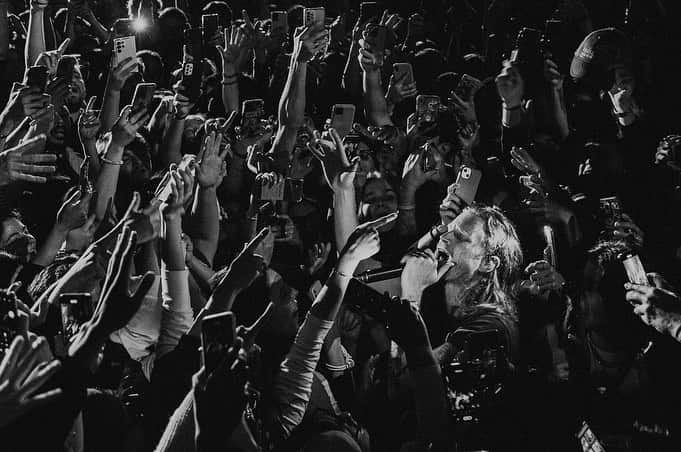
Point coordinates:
pixel 427 108
pixel 37 76
pixel 218 332
pixel 369 10
pixel 467 87
pixel 314 16
pixel 191 79
pixel 467 184
pixel 399 69
pixel 252 111
pixel 124 47
pixel 144 94
pixel 279 21
pixel 635 271
pixel 342 118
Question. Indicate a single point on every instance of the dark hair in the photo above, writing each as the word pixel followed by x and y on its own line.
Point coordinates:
pixel 221 8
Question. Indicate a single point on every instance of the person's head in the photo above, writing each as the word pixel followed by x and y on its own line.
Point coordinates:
pixel 15 239
pixel 172 22
pixel 136 168
pixel 76 95
pixel 220 8
pixel 152 65
pixel 428 65
pixel 483 246
pixel 378 198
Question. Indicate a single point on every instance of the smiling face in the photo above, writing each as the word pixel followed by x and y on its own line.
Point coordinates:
pixel 464 246
pixel 378 199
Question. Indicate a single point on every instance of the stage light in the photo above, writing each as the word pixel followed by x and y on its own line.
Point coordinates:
pixel 139 25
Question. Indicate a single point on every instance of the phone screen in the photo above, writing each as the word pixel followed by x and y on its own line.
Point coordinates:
pixel 76 309
pixel 252 112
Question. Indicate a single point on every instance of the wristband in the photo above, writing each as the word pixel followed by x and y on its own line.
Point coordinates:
pixel 224 83
pixel 342 275
pixel 111 162
pixel 517 107
pixel 407 207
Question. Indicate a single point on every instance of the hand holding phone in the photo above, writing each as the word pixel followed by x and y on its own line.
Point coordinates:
pixel 342 118
pixel 467 182
pixel 218 332
pixel 634 268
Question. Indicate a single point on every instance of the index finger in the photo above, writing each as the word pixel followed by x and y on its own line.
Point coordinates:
pixel 256 241
pixel 380 222
pixel 91 103
pixel 63 46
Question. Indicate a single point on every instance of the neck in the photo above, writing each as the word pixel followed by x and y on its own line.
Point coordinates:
pixel 456 293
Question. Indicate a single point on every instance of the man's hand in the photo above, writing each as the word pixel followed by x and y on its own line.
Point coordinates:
pixel 363 243
pixel 627 230
pixel 451 206
pixel 22 374
pixel 413 175
pixel 234 46
pixel 369 60
pixel 510 86
pixel 420 271
pixel 543 278
pixel 307 42
pixel 119 302
pixel 88 123
pixel 126 127
pixel 212 166
pixel 26 162
pixel 338 170
pixel 74 212
pixel 173 208
pixel 51 58
pixel 658 306
pixel 120 73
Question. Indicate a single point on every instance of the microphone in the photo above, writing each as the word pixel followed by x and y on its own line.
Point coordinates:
pixel 380 274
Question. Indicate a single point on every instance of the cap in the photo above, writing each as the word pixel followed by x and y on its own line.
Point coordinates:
pixel 602 50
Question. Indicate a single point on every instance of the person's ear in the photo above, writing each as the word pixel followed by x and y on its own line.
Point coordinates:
pixel 489 264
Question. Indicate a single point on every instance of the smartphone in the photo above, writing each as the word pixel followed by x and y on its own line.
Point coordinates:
pixel 37 76
pixel 76 309
pixel 252 111
pixel 527 45
pixel 9 327
pixel 611 211
pixel 467 182
pixel 191 79
pixel 427 108
pixel 124 47
pixel 279 22
pixel 185 164
pixel 218 332
pixel 124 27
pixel 144 95
pixel 634 268
pixel 193 38
pixel 467 87
pixel 65 67
pixel 342 118
pixel 400 69
pixel 550 249
pixel 588 440
pixel 369 10
pixel 377 34
pixel 552 42
pixel 293 190
pixel 210 23
pixel 314 16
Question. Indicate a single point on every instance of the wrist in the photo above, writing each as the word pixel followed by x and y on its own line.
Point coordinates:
pixel 511 104
pixel 347 265
pixel 412 294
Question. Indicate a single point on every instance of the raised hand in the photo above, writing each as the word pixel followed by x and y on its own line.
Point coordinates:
pixel 212 166
pixel 398 90
pixel 126 127
pixel 120 73
pixel 510 86
pixel 451 206
pixel 626 229
pixel 553 75
pixel 26 162
pixel 173 208
pixel 364 242
pixel 74 212
pixel 119 302
pixel 524 162
pixel 181 104
pixel 88 122
pixel 247 266
pixel 369 60
pixel 234 45
pixel 338 171
pixel 543 278
pixel 413 175
pixel 51 58
pixel 658 306
pixel 307 42
pixel 22 373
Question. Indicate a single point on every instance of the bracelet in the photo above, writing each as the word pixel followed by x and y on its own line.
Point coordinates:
pixel 517 107
pixel 342 275
pixel 111 162
pixel 407 207
pixel 224 83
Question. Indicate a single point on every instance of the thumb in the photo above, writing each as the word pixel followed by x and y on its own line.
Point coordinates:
pixel 63 46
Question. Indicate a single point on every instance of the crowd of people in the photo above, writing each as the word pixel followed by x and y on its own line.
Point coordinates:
pixel 436 225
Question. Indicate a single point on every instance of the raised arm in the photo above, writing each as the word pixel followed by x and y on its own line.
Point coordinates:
pixel 205 211
pixel 374 97
pixel 234 38
pixel 307 42
pixel 112 93
pixel 293 384
pixel 35 43
pixel 124 131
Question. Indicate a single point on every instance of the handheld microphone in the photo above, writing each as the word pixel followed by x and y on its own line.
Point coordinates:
pixel 380 274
